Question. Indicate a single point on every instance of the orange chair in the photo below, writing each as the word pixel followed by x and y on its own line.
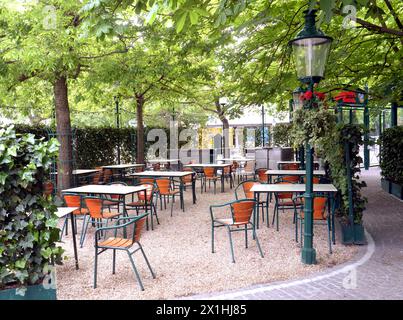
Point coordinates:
pixel 164 189
pixel 316 180
pixel 285 200
pixel 114 200
pixel 95 208
pixel 107 176
pixel 290 166
pixel 246 187
pixel 290 179
pixel 97 177
pixel 320 217
pixel 141 201
pixel 241 213
pixel 261 173
pixel 124 244
pixel 187 180
pixel 210 175
pixel 73 200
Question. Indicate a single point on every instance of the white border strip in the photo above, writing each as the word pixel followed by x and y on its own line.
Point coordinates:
pixel 348 268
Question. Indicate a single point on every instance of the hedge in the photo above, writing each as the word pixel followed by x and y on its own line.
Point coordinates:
pixel 391 164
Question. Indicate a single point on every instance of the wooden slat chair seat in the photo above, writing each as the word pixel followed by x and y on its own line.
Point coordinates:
pixel 246 186
pixel 320 217
pixel 133 227
pixel 241 212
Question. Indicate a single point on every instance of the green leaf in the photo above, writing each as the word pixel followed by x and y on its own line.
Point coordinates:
pixel 181 22
pixel 194 17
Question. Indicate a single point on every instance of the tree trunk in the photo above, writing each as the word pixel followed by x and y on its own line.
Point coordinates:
pixel 225 126
pixel 140 128
pixel 63 131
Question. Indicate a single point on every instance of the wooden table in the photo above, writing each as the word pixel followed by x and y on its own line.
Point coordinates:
pixel 170 174
pixel 62 212
pixel 163 160
pixel 215 166
pixel 236 159
pixel 271 173
pixel 285 187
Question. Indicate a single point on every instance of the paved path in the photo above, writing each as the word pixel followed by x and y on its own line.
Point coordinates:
pixel 375 273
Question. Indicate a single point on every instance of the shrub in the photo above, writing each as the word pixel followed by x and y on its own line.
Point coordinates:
pixel 28 224
pixel 391 164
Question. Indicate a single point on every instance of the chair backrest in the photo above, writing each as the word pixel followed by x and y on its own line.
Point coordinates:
pixel 246 186
pixel 291 179
pixel 250 166
pixel 316 180
pixel 156 166
pixel 107 175
pixel 290 166
pixel 117 183
pixel 188 178
pixel 149 191
pixel 72 200
pixel 97 177
pixel 242 210
pixel 319 208
pixel 94 206
pixel 227 170
pixel 164 185
pixel 235 165
pixel 146 180
pixel 209 172
pixel 48 188
pixel 261 174
pixel 284 195
pixel 139 169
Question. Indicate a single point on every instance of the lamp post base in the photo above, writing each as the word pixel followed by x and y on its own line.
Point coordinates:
pixel 308 256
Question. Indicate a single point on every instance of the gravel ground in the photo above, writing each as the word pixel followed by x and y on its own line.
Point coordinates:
pixel 179 250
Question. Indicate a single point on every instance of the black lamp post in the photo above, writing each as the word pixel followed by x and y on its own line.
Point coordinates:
pixel 310 48
pixel 223 102
pixel 297 103
pixel 117 113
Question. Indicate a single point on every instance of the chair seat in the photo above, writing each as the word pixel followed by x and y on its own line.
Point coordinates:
pixel 116 243
pixel 110 203
pixel 137 203
pixel 81 211
pixel 316 218
pixel 289 203
pixel 229 222
pixel 170 193
pixel 109 215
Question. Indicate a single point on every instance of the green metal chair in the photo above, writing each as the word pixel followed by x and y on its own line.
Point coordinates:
pixel 241 213
pixel 135 226
pixel 114 201
pixel 320 217
pixel 263 204
pixel 285 201
pixel 96 212
pixel 151 195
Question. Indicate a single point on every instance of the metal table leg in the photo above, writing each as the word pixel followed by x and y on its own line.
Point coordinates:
pixel 73 231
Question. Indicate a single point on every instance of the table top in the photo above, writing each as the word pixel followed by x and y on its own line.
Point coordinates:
pixel 285 187
pixel 204 165
pixel 161 174
pixel 106 189
pixel 64 211
pixel 236 159
pixel 82 171
pixel 293 172
pixel 123 166
pixel 162 160
pixel 291 162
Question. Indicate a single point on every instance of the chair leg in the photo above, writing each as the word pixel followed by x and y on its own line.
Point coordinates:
pixel 145 258
pixel 155 212
pixel 302 231
pixel 84 231
pixel 246 236
pixel 212 237
pixel 64 226
pixel 274 213
pixel 267 212
pixel 95 267
pixel 172 204
pixel 231 245
pixel 296 230
pixel 328 236
pixel 113 261
pixel 135 271
pixel 257 242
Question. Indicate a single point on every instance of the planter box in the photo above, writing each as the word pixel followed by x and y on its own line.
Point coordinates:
pixel 396 190
pixel 386 185
pixel 353 234
pixel 36 292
